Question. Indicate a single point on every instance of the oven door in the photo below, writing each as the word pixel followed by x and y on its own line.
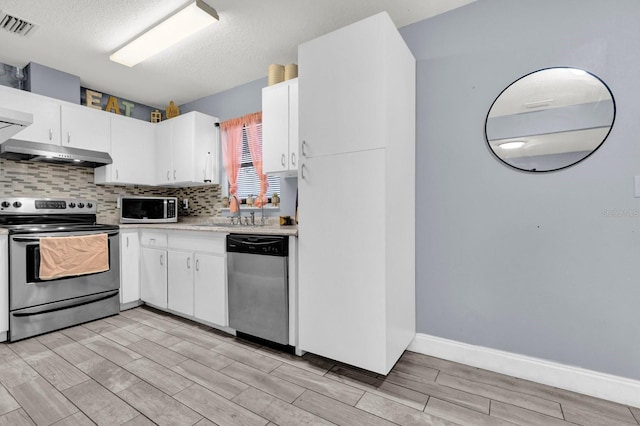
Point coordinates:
pixel 26 290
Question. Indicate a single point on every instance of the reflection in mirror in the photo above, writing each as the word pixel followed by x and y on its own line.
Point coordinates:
pixel 550 119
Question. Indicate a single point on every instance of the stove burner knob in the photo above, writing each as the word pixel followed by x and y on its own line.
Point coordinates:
pixel 80 205
pixel 72 205
pixel 5 204
pixel 17 204
pixel 89 205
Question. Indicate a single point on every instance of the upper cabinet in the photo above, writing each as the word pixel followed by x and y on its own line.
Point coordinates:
pixel 280 128
pixel 132 151
pixel 85 128
pixel 57 122
pixel 46 115
pixel 187 150
pixel 182 151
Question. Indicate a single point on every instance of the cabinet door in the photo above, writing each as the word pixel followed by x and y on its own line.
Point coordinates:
pixel 182 140
pixel 275 128
pixel 180 291
pixel 293 126
pixel 206 145
pixel 211 288
pixel 164 167
pixel 46 115
pixel 338 104
pixel 4 284
pixel 153 276
pixel 129 267
pixel 85 128
pixel 341 270
pixel 133 151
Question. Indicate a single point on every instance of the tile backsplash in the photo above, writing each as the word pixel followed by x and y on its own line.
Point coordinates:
pixel 27 179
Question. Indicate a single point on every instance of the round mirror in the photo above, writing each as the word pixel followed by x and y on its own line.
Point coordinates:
pixel 550 119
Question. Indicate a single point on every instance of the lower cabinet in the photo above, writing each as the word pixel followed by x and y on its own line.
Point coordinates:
pixel 186 273
pixel 129 267
pixel 153 276
pixel 210 288
pixel 4 287
pixel 180 285
pixel 197 284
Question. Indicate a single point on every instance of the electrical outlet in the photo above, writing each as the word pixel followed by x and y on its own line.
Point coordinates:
pixel 185 203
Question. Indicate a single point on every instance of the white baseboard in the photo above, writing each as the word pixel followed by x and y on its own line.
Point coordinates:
pixel 588 382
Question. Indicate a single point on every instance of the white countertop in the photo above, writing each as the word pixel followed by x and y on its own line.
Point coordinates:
pixel 212 227
pixel 269 229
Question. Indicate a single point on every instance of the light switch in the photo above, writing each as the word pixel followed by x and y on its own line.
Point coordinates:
pixel 636 186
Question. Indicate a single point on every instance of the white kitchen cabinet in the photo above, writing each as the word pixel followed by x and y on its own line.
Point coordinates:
pixel 164 152
pixel 210 288
pixel 280 128
pixel 153 276
pixel 46 115
pixel 197 276
pixel 187 148
pixel 180 285
pixel 129 267
pixel 132 149
pixel 85 128
pixel 4 287
pixel 356 278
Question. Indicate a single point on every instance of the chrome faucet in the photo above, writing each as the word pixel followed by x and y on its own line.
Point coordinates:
pixel 239 212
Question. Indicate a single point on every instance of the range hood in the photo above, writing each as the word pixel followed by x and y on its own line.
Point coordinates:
pixel 11 122
pixel 56 154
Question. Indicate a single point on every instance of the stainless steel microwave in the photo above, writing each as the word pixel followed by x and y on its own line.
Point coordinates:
pixel 148 209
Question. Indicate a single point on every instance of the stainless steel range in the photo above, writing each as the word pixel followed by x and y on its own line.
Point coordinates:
pixel 38 305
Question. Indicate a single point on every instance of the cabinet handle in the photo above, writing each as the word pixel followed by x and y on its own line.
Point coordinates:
pixel 50 134
pixel 197 264
pixel 127 241
pixel 174 175
pixel 293 158
pixel 116 174
pixel 162 259
pixel 168 178
pixel 304 144
pixel 188 263
pixel 68 137
pixel 302 168
pixel 282 160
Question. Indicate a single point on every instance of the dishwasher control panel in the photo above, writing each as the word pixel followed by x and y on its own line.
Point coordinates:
pixel 268 245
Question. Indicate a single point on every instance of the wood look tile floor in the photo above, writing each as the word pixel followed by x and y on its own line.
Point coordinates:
pixel 144 367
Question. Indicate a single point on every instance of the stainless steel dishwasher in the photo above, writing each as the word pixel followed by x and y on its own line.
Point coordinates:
pixel 258 284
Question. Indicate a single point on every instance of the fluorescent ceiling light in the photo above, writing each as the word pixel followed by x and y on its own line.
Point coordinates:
pixel 187 21
pixel 512 145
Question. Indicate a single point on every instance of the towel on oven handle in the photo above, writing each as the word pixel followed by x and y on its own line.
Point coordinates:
pixel 71 256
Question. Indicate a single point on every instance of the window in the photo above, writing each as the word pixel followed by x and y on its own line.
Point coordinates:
pixel 248 180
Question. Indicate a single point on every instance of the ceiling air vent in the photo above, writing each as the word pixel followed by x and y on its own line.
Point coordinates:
pixel 16 25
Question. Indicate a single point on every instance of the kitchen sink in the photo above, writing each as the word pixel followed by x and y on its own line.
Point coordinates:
pixel 229 225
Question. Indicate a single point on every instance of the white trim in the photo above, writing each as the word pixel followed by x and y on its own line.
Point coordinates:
pixel 588 382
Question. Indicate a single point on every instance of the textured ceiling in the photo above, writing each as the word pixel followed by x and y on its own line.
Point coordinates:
pixel 77 37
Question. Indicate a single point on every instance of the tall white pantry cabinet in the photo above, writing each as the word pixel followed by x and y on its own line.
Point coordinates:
pixel 356 184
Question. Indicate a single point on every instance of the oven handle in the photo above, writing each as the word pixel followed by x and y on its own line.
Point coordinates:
pixel 32 239
pixel 67 306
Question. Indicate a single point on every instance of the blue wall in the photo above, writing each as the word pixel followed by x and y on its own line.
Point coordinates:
pixel 533 264
pixel 231 103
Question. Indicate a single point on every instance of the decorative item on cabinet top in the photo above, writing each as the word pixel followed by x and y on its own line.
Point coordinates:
pixel 276 74
pixel 172 110
pixel 279 73
pixel 156 116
